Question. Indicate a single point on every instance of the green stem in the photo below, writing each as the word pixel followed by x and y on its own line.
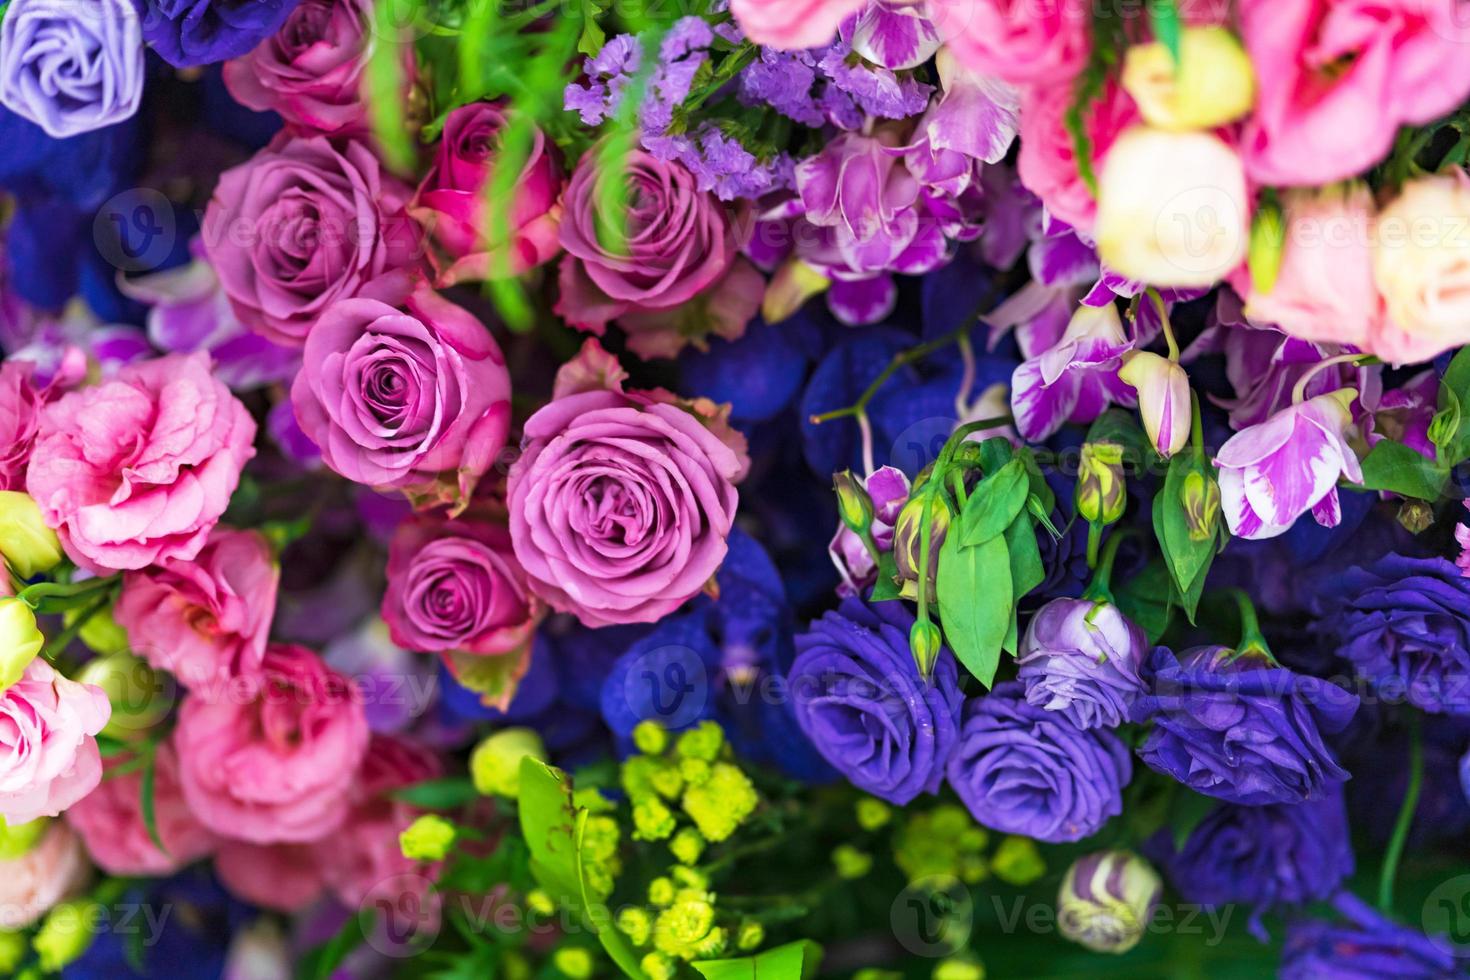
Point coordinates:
pixel 1251 640
pixel 1196 426
pixel 57 644
pixel 1094 538
pixel 1173 344
pixel 1406 816
pixel 37 595
pixel 1100 588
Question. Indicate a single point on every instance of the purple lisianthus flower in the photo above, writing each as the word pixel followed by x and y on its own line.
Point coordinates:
pixel 71 67
pixel 860 699
pixel 1404 625
pixel 1234 728
pixel 1264 855
pixel 1365 947
pixel 187 33
pixel 1024 770
pixel 1081 658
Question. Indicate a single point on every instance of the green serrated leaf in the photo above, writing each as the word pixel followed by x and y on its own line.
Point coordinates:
pixel 976 607
pixel 794 961
pixel 994 504
pixel 1395 467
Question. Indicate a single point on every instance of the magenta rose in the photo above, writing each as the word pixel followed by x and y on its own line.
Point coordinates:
pixel 206 619
pixel 48 753
pixel 302 224
pixel 451 201
pixel 139 469
pixel 621 502
pixel 415 398
pixel 311 70
pixel 272 757
pixel 21 399
pixel 110 821
pixel 680 275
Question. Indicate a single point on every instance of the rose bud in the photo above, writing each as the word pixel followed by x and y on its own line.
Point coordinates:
pixel 1106 900
pixel 1102 487
pixel 1212 83
pixel 20 639
pixel 1171 208
pixel 1163 398
pixel 29 546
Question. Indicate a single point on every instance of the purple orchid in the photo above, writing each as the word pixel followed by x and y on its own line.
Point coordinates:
pixel 1074 379
pixel 1402 414
pixel 895 34
pixel 1272 473
pixel 889 489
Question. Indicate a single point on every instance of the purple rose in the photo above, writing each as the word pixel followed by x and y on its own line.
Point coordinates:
pixel 1365 947
pixel 681 246
pixel 860 699
pixel 622 501
pixel 1023 770
pixel 1237 729
pixel 1081 658
pixel 71 67
pixel 302 224
pixel 187 33
pixel 1404 624
pixel 411 394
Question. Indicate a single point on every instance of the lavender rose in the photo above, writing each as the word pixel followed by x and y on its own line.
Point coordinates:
pixel 1081 658
pixel 681 246
pixel 302 224
pixel 859 698
pixel 1023 770
pixel 71 67
pixel 404 391
pixel 621 502
pixel 1237 729
pixel 186 33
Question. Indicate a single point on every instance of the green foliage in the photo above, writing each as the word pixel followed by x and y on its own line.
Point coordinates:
pixel 1188 540
pixel 794 961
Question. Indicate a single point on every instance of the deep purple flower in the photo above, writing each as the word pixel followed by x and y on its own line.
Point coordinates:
pixel 1081 658
pixel 861 701
pixel 1366 947
pixel 1239 730
pixel 186 33
pixel 1024 770
pixel 71 67
pixel 1404 624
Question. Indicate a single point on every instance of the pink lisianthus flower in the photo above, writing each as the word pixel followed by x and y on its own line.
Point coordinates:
pixel 48 750
pixel 207 619
pixel 270 758
pixel 21 398
pixel 1274 472
pixel 139 469
pixel 789 25
pixel 53 871
pixel 451 201
pixel 110 822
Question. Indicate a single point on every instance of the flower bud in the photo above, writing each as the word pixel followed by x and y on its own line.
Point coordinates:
pixel 1163 398
pixel 140 696
pixel 20 839
pixel 924 642
pixel 1415 516
pixel 1106 900
pixel 853 502
pixel 495 765
pixel 1102 487
pixel 1212 83
pixel 20 639
pixel 29 546
pixel 573 961
pixel 1267 248
pixel 100 632
pixel 13 949
pixel 1201 499
pixel 428 838
pixel 792 285
pixel 907 542
pixel 66 934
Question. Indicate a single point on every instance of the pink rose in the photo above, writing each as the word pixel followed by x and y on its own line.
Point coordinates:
pixel 110 821
pixel 271 758
pixel 621 501
pixel 21 399
pixel 1018 41
pixel 139 469
pixel 791 24
pixel 451 200
pixel 681 276
pixel 48 755
pixel 412 396
pixel 311 70
pixel 302 224
pixel 54 870
pixel 1047 164
pixel 282 877
pixel 1337 78
pixel 207 619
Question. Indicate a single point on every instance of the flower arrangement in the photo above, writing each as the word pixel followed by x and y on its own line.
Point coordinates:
pixel 736 488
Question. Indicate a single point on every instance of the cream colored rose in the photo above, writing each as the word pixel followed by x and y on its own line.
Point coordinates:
pixel 1421 261
pixel 1171 208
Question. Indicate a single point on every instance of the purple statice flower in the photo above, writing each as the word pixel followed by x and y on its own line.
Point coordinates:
pixel 1365 947
pixel 1239 729
pixel 608 73
pixel 1024 770
pixel 784 80
pixel 860 700
pixel 1404 625
pixel 876 91
pixel 1081 658
pixel 721 164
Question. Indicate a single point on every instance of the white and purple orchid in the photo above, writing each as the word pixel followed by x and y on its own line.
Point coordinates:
pixel 1074 378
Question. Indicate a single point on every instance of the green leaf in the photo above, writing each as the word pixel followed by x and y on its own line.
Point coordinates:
pixel 887 586
pixel 1395 467
pixel 439 794
pixel 1145 599
pixel 1164 16
pixel 1454 393
pixel 593 37
pixel 994 504
pixel 1187 809
pixel 976 606
pixel 548 823
pixel 147 790
pixel 1188 559
pixel 1027 571
pixel 387 88
pixel 794 961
